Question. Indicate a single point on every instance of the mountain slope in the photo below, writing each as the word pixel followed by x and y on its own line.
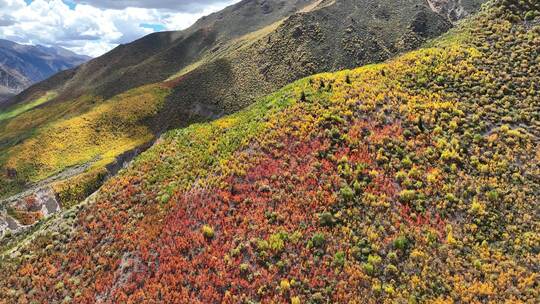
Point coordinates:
pixel 220 65
pixel 415 181
pixel 157 56
pixel 24 65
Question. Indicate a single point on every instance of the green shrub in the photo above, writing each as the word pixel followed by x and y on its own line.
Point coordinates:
pixel 208 232
pixel 339 259
pixel 374 259
pixel 391 270
pixel 346 193
pixel 368 268
pixel 493 195
pixel 277 241
pixel 165 198
pixel 326 219
pixel 244 268
pixel 406 162
pixel 401 243
pixel 318 240
pixel 407 196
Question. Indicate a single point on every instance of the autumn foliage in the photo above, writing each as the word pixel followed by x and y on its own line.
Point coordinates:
pixel 410 181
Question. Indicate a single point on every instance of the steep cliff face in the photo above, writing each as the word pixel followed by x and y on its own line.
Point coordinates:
pixel 12 81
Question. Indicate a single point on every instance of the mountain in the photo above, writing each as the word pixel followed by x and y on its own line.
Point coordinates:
pixel 410 181
pixel 375 29
pixel 93 118
pixel 24 65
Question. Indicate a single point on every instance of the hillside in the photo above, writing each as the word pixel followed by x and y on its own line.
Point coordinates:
pixel 415 180
pixel 63 130
pixel 23 65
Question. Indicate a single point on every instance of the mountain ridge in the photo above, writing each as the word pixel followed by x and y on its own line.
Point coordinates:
pixel 24 65
pixel 166 40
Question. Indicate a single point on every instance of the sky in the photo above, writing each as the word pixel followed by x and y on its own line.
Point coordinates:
pixel 93 27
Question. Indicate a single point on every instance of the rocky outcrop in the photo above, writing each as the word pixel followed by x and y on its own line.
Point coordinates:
pixel 22 212
pixel 454 10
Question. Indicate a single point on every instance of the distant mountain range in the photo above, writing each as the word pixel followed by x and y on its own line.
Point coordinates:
pixel 23 65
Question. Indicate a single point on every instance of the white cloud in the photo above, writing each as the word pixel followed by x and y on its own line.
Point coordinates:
pixel 192 6
pixel 87 29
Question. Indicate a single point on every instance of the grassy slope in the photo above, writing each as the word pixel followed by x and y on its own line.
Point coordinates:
pixel 223 68
pixel 19 109
pixel 40 143
pixel 414 180
pixel 43 133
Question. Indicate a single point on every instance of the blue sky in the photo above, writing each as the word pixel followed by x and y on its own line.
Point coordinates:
pixel 93 27
pixel 155 27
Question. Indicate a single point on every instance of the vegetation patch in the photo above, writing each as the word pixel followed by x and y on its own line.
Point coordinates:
pixel 409 181
pixel 96 136
pixel 21 108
